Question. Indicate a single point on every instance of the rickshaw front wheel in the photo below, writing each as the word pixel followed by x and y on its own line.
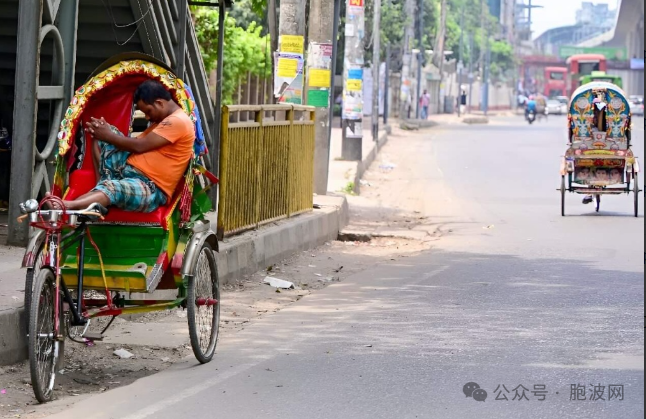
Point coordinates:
pixel 44 347
pixel 563 190
pixel 203 305
pixel 637 192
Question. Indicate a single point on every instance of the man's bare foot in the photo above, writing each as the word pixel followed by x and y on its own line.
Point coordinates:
pixel 52 202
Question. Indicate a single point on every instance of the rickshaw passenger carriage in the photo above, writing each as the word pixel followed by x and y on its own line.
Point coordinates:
pixel 82 265
pixel 599 160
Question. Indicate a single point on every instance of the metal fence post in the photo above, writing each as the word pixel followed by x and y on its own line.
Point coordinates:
pixel 223 158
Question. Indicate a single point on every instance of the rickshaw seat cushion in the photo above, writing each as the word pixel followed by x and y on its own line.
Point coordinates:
pixel 84 181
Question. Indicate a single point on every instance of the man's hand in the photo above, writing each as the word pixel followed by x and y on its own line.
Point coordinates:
pixel 99 129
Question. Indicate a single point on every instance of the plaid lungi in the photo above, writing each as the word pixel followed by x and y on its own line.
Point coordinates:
pixel 126 187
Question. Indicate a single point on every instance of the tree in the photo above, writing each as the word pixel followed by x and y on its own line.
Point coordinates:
pixel 245 50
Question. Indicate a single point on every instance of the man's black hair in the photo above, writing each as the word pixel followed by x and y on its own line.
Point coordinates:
pixel 150 91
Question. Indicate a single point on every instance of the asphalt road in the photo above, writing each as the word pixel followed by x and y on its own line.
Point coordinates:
pixel 514 295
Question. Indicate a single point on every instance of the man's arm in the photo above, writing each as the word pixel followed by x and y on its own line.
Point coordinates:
pixel 101 131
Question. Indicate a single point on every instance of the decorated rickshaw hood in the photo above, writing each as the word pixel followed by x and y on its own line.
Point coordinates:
pixel 111 75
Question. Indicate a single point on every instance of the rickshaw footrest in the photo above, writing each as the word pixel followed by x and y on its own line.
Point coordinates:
pixel 94 336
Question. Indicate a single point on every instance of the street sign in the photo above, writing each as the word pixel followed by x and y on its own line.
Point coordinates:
pixel 611 53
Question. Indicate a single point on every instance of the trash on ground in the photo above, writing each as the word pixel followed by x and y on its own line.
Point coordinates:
pixel 388 166
pixel 279 283
pixel 3 391
pixel 489 227
pixel 123 354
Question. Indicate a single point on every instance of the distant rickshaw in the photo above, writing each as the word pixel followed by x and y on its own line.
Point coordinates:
pixel 599 160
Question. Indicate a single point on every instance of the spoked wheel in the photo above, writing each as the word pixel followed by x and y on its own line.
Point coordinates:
pixel 43 346
pixel 563 190
pixel 637 192
pixel 598 197
pixel 203 305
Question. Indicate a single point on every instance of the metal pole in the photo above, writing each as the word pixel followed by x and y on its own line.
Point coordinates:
pixel 376 63
pixel 460 63
pixel 487 70
pixel 217 123
pixel 387 85
pixel 470 73
pixel 181 47
pixel 24 120
pixel 420 32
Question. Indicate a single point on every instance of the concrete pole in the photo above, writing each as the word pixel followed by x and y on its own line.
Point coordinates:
pixel 438 56
pixel 376 64
pixel 487 71
pixel 409 34
pixel 387 85
pixel 420 57
pixel 460 63
pixel 470 73
pixel 321 24
pixel 352 143
pixel 24 120
pixel 292 17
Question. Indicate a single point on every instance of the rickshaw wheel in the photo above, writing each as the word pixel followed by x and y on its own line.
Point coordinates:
pixel 563 190
pixel 204 319
pixel 637 192
pixel 598 197
pixel 43 348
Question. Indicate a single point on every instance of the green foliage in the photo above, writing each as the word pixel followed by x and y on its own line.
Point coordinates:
pixel 245 50
pixel 246 13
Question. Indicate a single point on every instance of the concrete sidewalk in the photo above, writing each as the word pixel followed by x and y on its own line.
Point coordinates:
pixel 241 255
pixel 345 175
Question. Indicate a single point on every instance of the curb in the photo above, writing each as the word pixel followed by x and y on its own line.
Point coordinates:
pixel 13 340
pixel 247 254
pixel 240 255
pixel 364 165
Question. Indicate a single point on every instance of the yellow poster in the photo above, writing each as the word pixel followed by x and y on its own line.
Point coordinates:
pixel 292 44
pixel 355 85
pixel 320 77
pixel 287 68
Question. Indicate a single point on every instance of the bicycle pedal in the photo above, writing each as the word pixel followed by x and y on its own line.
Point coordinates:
pixel 93 336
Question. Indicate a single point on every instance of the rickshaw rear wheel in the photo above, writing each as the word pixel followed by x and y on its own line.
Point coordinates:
pixel 203 305
pixel 44 349
pixel 563 190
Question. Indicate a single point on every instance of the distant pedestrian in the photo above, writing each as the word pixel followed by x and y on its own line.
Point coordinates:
pixel 425 103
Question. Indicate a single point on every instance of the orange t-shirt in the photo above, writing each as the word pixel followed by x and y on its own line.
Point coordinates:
pixel 166 165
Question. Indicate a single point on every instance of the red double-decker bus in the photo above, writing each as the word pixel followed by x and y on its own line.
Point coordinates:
pixel 583 65
pixel 555 82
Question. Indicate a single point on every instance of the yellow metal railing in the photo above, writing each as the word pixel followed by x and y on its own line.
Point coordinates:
pixel 266 165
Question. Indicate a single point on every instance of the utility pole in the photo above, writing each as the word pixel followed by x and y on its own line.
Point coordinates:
pixel 438 56
pixel 387 85
pixel 409 33
pixel 376 64
pixel 420 56
pixel 460 63
pixel 292 23
pixel 470 73
pixel 487 71
pixel 352 143
pixel 321 31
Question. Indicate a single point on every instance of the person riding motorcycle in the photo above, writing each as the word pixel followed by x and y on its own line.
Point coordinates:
pixel 531 106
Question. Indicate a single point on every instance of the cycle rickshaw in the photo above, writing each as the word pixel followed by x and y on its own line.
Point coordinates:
pixel 600 160
pixel 82 265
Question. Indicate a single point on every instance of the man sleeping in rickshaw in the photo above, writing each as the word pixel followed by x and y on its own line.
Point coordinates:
pixel 140 174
